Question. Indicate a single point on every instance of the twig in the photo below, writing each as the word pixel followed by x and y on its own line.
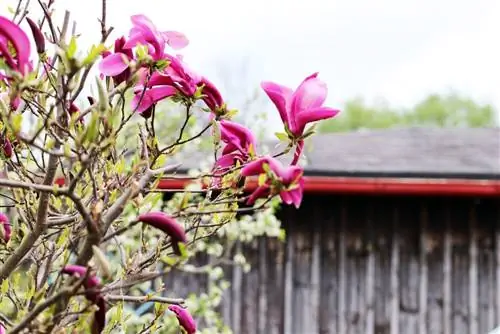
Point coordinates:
pixel 145 299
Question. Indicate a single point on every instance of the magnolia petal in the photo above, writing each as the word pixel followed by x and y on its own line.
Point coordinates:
pixel 296 195
pixel 15 35
pixel 113 64
pixel 311 93
pixel 237 135
pixel 286 197
pixel 254 167
pixel 148 32
pixel 213 98
pixel 291 174
pixel 176 40
pixel 259 192
pixel 280 96
pixel 313 115
pixel 142 102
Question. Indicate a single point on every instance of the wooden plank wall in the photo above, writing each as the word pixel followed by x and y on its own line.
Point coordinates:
pixel 380 265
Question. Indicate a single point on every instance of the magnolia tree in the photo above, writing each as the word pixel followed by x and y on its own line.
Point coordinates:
pixel 83 229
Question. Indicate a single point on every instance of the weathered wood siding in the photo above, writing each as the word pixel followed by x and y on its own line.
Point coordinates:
pixel 374 265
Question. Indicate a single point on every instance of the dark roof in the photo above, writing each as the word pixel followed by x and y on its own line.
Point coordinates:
pixel 404 152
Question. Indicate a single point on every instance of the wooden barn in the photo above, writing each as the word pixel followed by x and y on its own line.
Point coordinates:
pixel 398 233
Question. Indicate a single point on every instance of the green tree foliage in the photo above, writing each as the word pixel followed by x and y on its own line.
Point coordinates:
pixel 451 110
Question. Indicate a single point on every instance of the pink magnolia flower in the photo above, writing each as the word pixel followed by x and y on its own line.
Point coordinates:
pixel 4 221
pixel 300 107
pixel 14 46
pixel 2 329
pixel 144 32
pixel 185 319
pixel 240 146
pixel 237 138
pixel 91 283
pixel 116 64
pixel 176 78
pixel 287 181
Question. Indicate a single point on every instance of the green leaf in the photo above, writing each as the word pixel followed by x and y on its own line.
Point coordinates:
pixel 16 120
pixel 61 241
pixel 281 136
pixel 95 51
pixel 71 50
pixel 92 129
pixel 5 286
pixel 262 179
pixel 67 149
pixel 171 261
pixel 183 250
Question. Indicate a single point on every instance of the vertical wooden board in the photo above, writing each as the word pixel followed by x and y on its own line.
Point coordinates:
pixel 329 311
pixel 485 219
pixel 275 263
pixel 409 266
pixel 424 269
pixel 356 254
pixel 314 301
pixel 288 275
pixel 262 306
pixel 434 248
pixel 371 249
pixel 460 268
pixel 236 293
pixel 383 228
pixel 496 223
pixel 473 271
pixel 485 288
pixel 250 291
pixel 302 239
pixel 447 273
pixel 226 305
pixel 342 271
pixel 394 273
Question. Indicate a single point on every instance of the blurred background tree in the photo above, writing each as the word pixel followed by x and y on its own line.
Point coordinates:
pixel 449 110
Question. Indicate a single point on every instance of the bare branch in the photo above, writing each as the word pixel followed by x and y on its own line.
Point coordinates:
pixel 145 299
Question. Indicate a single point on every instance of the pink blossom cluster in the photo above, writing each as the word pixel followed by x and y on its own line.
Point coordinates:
pixel 141 60
pixel 167 76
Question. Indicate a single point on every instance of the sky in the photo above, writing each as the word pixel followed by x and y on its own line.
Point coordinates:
pixel 399 50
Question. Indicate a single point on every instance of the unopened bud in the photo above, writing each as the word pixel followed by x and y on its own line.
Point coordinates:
pixel 7 148
pixel 37 36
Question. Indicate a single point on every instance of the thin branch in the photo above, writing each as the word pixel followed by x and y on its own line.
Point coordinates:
pixel 30 186
pixel 145 299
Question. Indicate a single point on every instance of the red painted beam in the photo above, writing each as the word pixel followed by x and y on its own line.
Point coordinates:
pixel 394 186
pixel 390 186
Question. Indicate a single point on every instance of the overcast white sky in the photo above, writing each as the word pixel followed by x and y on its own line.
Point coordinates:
pixel 397 49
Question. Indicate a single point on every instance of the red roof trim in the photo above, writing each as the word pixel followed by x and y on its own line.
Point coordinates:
pixel 374 186
pixel 393 186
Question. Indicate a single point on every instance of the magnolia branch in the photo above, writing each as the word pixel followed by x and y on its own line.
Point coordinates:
pixel 145 299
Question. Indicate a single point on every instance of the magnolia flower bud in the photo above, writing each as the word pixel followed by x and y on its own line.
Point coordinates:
pixel 4 221
pixel 7 148
pixel 167 224
pixel 37 36
pixel 91 283
pixel 184 317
